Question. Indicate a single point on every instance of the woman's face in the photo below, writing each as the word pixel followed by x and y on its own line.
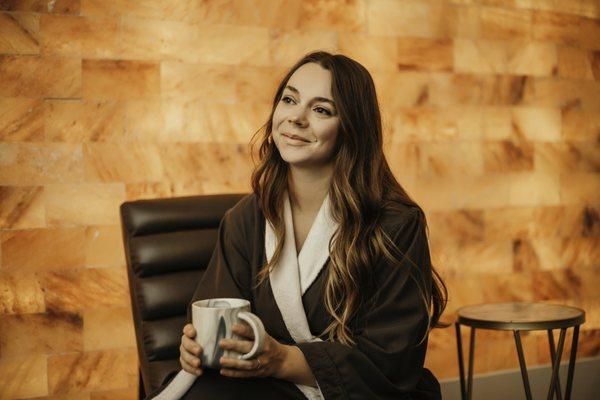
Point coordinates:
pixel 306 109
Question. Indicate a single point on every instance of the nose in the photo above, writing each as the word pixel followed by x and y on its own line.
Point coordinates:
pixel 298 117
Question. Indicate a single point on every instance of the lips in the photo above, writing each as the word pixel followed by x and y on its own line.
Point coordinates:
pixel 296 137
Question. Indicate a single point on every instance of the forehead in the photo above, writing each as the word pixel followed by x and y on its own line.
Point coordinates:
pixel 312 80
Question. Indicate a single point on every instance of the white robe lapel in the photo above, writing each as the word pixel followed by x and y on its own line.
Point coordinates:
pixel 292 276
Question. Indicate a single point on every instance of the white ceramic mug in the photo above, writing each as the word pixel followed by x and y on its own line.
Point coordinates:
pixel 213 320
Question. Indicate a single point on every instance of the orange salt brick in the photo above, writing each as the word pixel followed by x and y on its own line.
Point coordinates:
pixel 83 204
pixel 43 249
pixel 20 33
pixel 21 120
pixel 22 207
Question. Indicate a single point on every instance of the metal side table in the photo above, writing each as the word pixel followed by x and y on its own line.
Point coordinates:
pixel 519 317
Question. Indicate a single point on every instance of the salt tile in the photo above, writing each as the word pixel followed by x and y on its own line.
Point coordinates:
pixel 98 321
pixel 564 284
pixel 40 163
pixel 451 193
pixel 219 83
pixel 415 88
pixel 286 47
pixel 144 121
pixel 106 369
pixel 447 89
pixel 420 124
pixel 540 253
pixel 497 123
pixel 463 20
pixel 508 156
pixel 69 396
pixel 564 94
pixel 34 76
pixel 20 33
pixel 403 159
pixel 40 334
pixel 104 246
pixel 198 43
pixel 84 120
pixel 78 36
pixel 580 188
pixel 538 123
pixel 567 157
pixel 43 6
pixel 80 289
pixel 22 293
pixel 122 162
pixel 212 122
pixel 207 163
pixel 117 394
pixel 586 8
pixel 120 80
pixel 533 188
pixel 409 18
pixel 43 249
pixel 505 23
pixel 426 54
pixel 21 120
pixel 504 57
pixel 351 16
pixel 153 190
pixel 22 207
pixel 83 204
pixel 566 29
pixel 579 125
pixel 450 159
pixel 219 187
pixel 580 252
pixel 284 13
pixel 376 53
pixel 458 227
pixel 574 62
pixel 23 376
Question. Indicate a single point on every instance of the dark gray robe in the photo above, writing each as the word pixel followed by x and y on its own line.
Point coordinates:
pixel 386 362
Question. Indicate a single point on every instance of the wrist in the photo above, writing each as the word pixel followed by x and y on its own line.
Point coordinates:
pixel 284 363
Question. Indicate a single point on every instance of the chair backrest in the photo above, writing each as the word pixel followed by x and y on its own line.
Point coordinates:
pixel 168 244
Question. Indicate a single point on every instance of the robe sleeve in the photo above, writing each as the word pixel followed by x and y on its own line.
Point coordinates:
pixel 228 272
pixel 387 361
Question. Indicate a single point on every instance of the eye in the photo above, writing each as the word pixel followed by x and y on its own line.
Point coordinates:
pixel 284 98
pixel 327 112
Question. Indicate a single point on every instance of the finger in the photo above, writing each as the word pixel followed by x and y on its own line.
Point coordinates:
pixel 243 330
pixel 241 346
pixel 232 363
pixel 189 331
pixel 189 368
pixel 189 358
pixel 191 346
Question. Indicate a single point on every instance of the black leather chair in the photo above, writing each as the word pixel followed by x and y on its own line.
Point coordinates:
pixel 168 243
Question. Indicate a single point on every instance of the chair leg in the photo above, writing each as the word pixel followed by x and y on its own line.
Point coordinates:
pixel 556 361
pixel 522 364
pixel 572 362
pixel 471 363
pixel 555 388
pixel 461 363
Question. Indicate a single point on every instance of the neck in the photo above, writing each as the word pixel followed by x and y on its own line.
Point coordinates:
pixel 308 187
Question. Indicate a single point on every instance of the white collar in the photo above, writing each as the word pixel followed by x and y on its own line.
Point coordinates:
pixel 293 275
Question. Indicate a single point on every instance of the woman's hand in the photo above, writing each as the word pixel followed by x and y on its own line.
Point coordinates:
pixel 190 351
pixel 269 362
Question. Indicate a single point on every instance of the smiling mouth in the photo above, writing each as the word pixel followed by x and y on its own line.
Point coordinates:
pixel 296 137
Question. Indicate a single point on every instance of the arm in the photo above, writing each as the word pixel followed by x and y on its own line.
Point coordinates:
pixel 295 368
pixel 387 360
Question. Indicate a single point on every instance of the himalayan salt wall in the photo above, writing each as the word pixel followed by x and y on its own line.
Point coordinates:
pixel 492 118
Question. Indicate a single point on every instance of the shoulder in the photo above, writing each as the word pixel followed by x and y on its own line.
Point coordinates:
pixel 401 217
pixel 245 207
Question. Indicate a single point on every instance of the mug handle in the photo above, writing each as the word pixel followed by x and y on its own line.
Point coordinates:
pixel 259 333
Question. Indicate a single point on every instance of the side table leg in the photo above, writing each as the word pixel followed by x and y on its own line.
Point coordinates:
pixel 572 362
pixel 471 356
pixel 522 364
pixel 461 364
pixel 552 355
pixel 556 361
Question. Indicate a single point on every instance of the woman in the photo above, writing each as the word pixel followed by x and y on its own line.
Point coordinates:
pixel 341 274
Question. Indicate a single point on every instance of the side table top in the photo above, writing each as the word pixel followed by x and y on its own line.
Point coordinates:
pixel 520 316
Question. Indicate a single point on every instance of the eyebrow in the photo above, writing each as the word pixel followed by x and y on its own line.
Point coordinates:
pixel 323 99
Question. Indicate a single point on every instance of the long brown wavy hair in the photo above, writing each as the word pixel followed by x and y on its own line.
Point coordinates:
pixel 362 187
